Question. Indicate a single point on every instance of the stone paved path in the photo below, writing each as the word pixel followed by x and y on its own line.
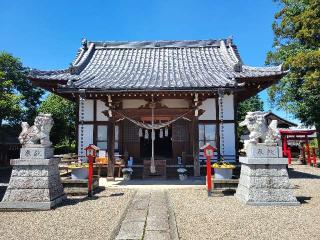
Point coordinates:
pixel 147 217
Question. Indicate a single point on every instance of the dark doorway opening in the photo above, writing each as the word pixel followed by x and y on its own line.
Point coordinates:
pixel 162 146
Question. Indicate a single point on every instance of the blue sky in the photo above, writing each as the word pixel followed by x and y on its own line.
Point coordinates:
pixel 46 34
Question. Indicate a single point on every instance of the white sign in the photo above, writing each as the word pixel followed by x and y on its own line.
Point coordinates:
pixel 264 151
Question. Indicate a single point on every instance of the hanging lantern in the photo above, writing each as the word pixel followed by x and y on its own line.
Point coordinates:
pixel 166 132
pixel 146 134
pixel 196 112
pixel 140 132
pixel 153 134
pixel 161 133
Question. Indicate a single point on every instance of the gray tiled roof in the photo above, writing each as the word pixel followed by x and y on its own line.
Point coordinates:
pixel 156 65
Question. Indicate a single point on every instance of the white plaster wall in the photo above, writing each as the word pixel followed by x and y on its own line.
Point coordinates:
pixel 133 103
pixel 228 109
pixel 209 105
pixel 101 107
pixel 88 111
pixel 175 103
pixel 229 139
pixel 87 138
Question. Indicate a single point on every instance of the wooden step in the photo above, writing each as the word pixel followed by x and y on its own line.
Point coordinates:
pixel 161 169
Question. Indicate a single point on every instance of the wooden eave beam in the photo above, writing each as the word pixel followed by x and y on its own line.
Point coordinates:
pixel 256 85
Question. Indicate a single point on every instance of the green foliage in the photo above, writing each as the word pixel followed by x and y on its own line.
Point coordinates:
pixel 63 149
pixel 250 105
pixel 297 47
pixel 18 98
pixel 314 143
pixel 64 116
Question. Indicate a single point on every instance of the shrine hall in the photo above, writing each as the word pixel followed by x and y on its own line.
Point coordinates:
pixel 156 103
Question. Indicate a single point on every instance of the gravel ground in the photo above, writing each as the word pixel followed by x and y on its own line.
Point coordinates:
pixel 79 218
pixel 200 217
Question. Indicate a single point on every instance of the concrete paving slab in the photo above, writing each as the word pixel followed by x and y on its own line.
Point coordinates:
pixel 136 215
pixel 131 230
pixel 157 223
pixel 157 210
pixel 143 204
pixel 147 216
pixel 158 235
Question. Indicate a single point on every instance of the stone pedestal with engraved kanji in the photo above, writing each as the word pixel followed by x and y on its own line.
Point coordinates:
pixel 35 181
pixel 264 177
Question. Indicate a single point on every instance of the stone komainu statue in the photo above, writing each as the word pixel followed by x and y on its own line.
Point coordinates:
pixel 39 133
pixel 260 132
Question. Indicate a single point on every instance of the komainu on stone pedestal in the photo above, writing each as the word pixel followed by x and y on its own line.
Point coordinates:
pixel 264 178
pixel 35 179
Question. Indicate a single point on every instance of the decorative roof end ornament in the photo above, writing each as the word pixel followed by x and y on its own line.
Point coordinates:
pixel 237 67
pixel 70 83
pixel 229 40
pixel 84 43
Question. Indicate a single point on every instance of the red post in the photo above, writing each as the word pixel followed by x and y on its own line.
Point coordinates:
pixel 90 176
pixel 284 145
pixel 209 185
pixel 289 155
pixel 303 153
pixel 208 151
pixel 91 153
pixel 314 157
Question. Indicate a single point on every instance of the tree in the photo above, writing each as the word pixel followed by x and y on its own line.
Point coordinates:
pixel 64 117
pixel 18 98
pixel 9 101
pixel 250 105
pixel 297 47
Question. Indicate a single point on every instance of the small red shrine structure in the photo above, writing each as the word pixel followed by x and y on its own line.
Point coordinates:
pixel 298 134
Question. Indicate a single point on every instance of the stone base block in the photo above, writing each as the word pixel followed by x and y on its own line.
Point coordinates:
pixel 36 152
pixel 265 185
pixel 31 206
pixel 35 184
pixel 296 203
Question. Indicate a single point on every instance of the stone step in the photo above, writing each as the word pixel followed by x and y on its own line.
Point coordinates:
pixel 225 183
pixel 78 186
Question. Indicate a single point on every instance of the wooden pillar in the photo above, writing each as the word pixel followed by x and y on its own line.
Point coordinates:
pixel 195 147
pixel 111 133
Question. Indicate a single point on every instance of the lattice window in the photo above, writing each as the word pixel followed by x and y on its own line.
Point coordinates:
pixel 180 131
pixel 131 132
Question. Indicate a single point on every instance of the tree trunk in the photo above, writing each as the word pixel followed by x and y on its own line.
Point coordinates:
pixel 318 137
